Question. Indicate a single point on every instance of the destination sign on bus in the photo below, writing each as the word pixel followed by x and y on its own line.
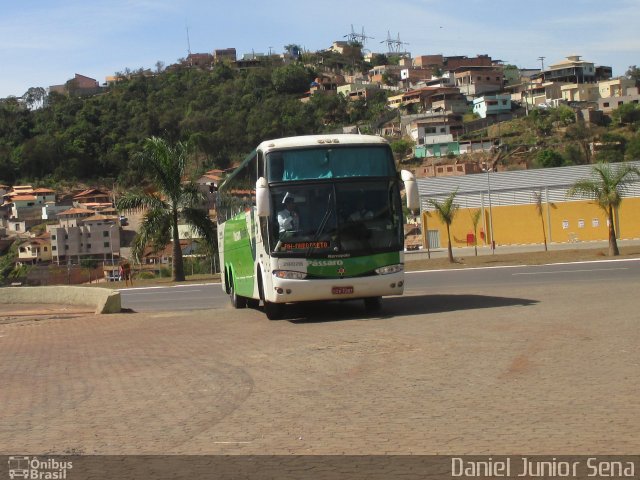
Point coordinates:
pixel 303 245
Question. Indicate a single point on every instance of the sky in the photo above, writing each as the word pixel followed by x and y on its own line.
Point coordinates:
pixel 46 42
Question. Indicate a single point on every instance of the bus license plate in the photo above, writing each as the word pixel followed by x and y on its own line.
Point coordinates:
pixel 341 290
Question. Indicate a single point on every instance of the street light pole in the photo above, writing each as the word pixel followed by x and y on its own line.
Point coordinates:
pixel 493 242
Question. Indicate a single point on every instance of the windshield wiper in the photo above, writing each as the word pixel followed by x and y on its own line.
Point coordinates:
pixel 323 223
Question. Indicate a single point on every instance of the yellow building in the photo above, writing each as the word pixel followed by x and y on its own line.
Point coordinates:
pixel 509 213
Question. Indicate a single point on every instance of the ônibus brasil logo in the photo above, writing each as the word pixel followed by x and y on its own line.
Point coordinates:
pixel 37 469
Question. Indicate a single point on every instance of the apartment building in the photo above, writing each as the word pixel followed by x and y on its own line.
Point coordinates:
pixel 79 235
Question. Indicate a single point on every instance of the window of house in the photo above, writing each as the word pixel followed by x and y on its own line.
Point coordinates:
pixel 620 102
pixel 66 236
pixel 46 249
pixel 88 245
pixel 460 168
pixel 440 169
pixel 449 169
pixel 106 244
pixel 605 104
pixel 105 233
pixel 53 237
pixel 66 247
pixel 54 248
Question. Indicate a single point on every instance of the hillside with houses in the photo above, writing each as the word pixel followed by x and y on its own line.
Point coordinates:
pixel 67 151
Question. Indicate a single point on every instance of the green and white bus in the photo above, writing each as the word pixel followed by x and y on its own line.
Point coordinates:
pixel 312 218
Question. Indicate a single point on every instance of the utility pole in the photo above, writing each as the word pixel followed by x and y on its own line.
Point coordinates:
pixel 541 63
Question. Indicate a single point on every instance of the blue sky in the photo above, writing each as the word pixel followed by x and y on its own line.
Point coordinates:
pixel 45 42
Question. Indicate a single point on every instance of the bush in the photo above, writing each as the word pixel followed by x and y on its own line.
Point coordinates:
pixel 549 158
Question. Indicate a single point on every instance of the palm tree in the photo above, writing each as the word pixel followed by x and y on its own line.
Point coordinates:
pixel 475 219
pixel 165 164
pixel 538 197
pixel 607 189
pixel 447 211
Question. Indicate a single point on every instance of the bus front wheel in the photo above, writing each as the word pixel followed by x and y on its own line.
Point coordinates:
pixel 273 311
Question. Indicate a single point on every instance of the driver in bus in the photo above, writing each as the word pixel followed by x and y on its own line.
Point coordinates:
pixel 361 212
pixel 288 219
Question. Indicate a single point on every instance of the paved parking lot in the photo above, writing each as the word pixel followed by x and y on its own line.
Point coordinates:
pixel 536 370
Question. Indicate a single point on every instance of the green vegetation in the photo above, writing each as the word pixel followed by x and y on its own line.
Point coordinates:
pixel 447 210
pixel 607 191
pixel 165 165
pixel 223 113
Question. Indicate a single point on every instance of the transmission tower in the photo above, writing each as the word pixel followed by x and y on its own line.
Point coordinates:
pixel 394 46
pixel 354 37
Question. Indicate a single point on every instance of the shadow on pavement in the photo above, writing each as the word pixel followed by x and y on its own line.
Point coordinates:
pixel 314 312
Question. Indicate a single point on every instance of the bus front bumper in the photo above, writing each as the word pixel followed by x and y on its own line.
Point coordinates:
pixel 285 290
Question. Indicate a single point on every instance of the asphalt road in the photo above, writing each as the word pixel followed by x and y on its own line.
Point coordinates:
pixel 210 296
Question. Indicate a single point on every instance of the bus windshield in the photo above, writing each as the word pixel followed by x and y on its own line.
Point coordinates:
pixel 330 161
pixel 336 218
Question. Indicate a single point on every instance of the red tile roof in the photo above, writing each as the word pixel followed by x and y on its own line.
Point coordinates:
pixel 76 211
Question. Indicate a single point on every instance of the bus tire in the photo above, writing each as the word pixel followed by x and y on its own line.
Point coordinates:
pixel 273 311
pixel 373 304
pixel 236 300
pixel 253 303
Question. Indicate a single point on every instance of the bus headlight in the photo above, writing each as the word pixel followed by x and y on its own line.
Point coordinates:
pixel 289 275
pixel 389 269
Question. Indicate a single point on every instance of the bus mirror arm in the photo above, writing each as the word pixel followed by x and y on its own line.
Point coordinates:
pixel 411 187
pixel 263 205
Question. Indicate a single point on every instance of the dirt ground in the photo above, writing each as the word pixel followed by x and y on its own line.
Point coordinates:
pixel 522 258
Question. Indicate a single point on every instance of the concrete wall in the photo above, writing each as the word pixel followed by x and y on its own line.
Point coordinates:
pixel 104 300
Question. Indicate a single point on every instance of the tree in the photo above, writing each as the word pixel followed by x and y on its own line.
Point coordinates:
pixel 475 219
pixel 447 211
pixel 166 165
pixel 538 198
pixel 549 158
pixel 633 73
pixel 292 78
pixel 607 190
pixel 626 114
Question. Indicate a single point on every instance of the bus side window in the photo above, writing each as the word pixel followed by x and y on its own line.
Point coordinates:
pixel 276 167
pixel 261 170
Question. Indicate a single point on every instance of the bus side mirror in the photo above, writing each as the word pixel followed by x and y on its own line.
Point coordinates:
pixel 263 206
pixel 411 187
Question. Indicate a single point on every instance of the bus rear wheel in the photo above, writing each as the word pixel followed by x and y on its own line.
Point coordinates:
pixel 236 300
pixel 273 311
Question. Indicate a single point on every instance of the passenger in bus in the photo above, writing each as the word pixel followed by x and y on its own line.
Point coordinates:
pixel 288 219
pixel 361 212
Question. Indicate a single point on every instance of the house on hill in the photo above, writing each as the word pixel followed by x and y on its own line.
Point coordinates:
pixel 94 198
